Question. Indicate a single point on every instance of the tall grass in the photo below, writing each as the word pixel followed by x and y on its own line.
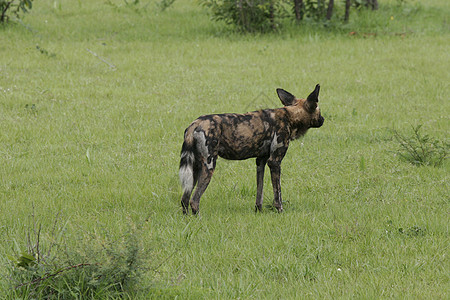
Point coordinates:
pixel 101 144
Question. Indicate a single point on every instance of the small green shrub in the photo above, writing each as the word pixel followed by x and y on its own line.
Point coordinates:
pixel 13 7
pixel 419 149
pixel 100 268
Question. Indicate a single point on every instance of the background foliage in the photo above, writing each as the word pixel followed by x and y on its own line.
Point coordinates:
pixel 13 7
pixel 266 15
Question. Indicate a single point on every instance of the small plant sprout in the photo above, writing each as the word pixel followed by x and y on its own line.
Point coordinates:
pixel 421 149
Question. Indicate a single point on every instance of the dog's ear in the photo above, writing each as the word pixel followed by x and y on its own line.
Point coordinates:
pixel 313 98
pixel 285 97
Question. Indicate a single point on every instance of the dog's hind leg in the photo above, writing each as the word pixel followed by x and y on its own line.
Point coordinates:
pixel 260 166
pixel 185 201
pixel 206 163
pixel 204 177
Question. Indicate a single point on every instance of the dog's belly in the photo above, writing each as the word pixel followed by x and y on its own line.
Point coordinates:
pixel 240 150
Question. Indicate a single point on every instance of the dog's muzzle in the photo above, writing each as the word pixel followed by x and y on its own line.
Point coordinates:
pixel 321 120
pixel 318 123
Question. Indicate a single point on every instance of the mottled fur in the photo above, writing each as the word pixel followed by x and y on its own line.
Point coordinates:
pixel 264 134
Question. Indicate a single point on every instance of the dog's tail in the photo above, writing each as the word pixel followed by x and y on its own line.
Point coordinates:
pixel 187 161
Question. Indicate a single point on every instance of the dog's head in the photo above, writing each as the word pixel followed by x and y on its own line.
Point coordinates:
pixel 307 110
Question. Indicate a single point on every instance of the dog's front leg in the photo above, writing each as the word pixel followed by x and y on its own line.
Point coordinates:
pixel 260 166
pixel 274 163
pixel 275 172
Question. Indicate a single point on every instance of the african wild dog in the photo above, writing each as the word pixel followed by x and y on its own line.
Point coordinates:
pixel 264 134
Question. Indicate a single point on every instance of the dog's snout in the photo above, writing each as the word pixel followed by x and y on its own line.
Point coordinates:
pixel 316 123
pixel 321 120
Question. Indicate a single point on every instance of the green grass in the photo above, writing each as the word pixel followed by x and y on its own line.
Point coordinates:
pixel 101 145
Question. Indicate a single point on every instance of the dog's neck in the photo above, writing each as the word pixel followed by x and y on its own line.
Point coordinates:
pixel 298 120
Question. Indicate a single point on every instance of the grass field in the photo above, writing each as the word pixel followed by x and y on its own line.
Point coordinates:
pixel 94 100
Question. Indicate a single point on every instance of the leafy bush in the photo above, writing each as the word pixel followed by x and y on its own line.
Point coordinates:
pixel 8 7
pixel 421 149
pixel 247 15
pixel 314 9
